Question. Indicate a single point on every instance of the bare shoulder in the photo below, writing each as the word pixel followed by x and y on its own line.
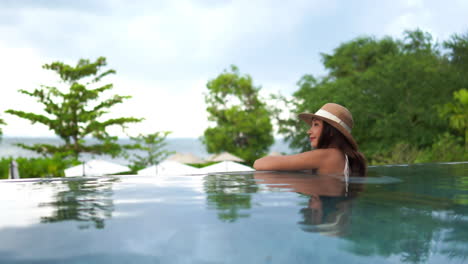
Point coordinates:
pixel 323 153
pixel 333 161
pixel 332 153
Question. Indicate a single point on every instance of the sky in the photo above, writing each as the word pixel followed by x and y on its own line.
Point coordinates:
pixel 164 52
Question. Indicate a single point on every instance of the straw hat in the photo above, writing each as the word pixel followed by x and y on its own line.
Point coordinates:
pixel 335 115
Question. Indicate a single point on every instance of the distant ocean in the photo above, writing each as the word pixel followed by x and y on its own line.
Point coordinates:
pixel 183 145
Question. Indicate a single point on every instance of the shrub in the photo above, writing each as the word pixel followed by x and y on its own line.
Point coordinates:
pixel 36 167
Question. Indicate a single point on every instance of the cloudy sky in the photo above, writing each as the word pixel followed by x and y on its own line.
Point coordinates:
pixel 164 52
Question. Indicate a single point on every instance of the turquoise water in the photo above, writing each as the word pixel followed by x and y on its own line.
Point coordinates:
pixel 399 214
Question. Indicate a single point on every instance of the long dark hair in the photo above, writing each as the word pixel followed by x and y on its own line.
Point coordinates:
pixel 331 137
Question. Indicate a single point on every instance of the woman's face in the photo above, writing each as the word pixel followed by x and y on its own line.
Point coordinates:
pixel 315 131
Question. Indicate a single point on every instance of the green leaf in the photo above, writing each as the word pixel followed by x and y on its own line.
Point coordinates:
pixel 242 121
pixel 78 112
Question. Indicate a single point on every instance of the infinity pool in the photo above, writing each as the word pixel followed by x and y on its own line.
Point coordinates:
pixel 399 214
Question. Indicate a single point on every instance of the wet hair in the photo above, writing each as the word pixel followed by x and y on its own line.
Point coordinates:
pixel 332 137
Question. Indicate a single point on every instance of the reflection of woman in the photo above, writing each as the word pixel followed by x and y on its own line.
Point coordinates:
pixel 335 150
pixel 329 200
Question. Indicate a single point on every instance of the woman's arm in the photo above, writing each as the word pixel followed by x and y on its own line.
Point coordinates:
pixel 304 161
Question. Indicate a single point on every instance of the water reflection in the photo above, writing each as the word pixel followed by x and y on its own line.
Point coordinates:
pixel 248 217
pixel 230 194
pixel 89 202
pixel 456 236
pixel 328 207
pixel 418 219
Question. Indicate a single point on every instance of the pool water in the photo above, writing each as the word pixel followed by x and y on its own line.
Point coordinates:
pixel 398 214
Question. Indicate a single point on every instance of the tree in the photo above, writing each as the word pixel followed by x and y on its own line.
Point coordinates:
pixel 457 110
pixel 392 87
pixel 457 113
pixel 243 125
pixel 78 112
pixel 153 147
pixel 358 55
pixel 458 45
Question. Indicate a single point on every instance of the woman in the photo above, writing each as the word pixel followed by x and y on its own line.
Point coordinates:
pixel 335 150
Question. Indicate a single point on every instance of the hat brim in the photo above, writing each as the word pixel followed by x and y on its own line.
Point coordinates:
pixel 308 117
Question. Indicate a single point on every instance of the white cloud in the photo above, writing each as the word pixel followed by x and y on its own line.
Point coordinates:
pixel 182 112
pixel 414 3
pixel 180 37
pixel 440 19
pixel 165 51
pixel 22 70
pixel 409 21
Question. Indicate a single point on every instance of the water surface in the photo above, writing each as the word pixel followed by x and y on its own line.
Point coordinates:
pixel 399 214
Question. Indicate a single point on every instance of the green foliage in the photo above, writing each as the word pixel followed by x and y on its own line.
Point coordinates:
pixel 78 112
pixel 401 153
pixel 394 89
pixel 458 53
pixel 36 167
pixel 201 165
pixel 457 113
pixel 1 123
pixel 4 167
pixel 446 148
pixel 243 125
pixel 152 145
pixel 418 41
pixel 358 55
